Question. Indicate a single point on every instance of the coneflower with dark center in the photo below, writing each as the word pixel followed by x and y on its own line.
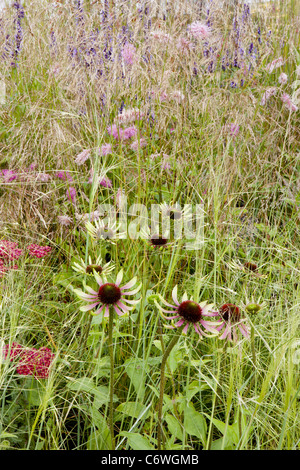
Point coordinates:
pixel 231 320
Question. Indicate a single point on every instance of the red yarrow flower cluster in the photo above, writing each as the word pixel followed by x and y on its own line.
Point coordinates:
pixel 32 361
pixel 9 251
pixel 38 251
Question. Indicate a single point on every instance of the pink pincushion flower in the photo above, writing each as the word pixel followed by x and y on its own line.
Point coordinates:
pixel 130 115
pixel 9 175
pixel 234 130
pixel 42 177
pixel 114 131
pixel 160 36
pixel 274 64
pixel 71 194
pixel 267 95
pixel 64 220
pixel 200 30
pixel 283 78
pixel 129 54
pixel 189 313
pixel 82 157
pixel 106 182
pixel 289 102
pixel 38 251
pixel 184 45
pixel 32 361
pixel 109 294
pixel 106 149
pixel 138 144
pixel 231 321
pixel 64 175
pixel 129 132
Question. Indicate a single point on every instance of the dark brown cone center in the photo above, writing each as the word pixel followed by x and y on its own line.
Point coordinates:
pixel 230 312
pixel 190 311
pixel 109 294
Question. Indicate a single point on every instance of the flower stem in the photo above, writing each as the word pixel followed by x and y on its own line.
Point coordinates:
pixel 162 383
pixel 111 384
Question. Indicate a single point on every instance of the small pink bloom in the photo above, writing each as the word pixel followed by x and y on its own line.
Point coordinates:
pixel 289 102
pixel 106 182
pixel 43 177
pixel 64 175
pixel 184 45
pixel 138 144
pixel 160 36
pixel 283 78
pixel 267 95
pixel 130 115
pixel 83 157
pixel 9 175
pixel 129 54
pixel 71 194
pixel 114 131
pixel 64 220
pixel 106 149
pixel 200 30
pixel 274 64
pixel 129 132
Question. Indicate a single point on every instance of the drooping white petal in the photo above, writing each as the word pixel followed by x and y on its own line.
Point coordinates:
pixel 174 295
pixel 86 308
pixel 129 284
pixel 119 278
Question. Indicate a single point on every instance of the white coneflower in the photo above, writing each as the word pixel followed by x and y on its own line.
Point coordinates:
pixel 188 312
pixel 90 267
pixel 100 230
pixel 109 294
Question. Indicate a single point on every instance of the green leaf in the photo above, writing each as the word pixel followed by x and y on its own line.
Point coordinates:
pixel 136 441
pixel 175 427
pixel 136 370
pixel 194 422
pixel 133 409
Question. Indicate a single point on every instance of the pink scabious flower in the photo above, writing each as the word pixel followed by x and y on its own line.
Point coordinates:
pixel 274 64
pixel 38 251
pixel 137 144
pixel 9 175
pixel 106 182
pixel 234 129
pixel 267 95
pixel 129 54
pixel 130 115
pixel 35 362
pixel 283 78
pixel 188 312
pixel 200 30
pixel 178 96
pixel 42 177
pixel 106 149
pixel 9 250
pixel 231 320
pixel 64 175
pixel 82 157
pixel 129 132
pixel 64 220
pixel 114 131
pixel 289 102
pixel 109 295
pixel 71 194
pixel 160 36
pixel 184 45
